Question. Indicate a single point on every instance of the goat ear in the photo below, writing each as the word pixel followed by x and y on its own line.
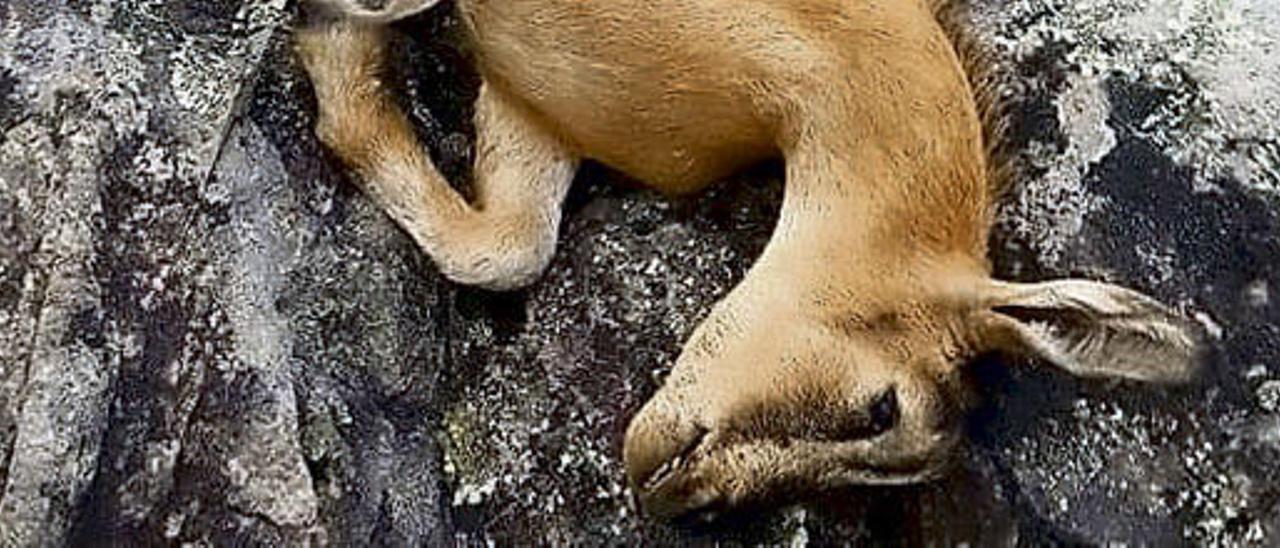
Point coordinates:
pixel 1091 329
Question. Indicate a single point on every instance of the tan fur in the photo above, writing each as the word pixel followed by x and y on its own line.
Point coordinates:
pixel 839 357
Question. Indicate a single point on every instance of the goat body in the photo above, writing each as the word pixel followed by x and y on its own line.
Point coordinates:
pixel 839 358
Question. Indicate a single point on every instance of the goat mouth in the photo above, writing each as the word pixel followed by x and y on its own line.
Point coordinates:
pixel 682 460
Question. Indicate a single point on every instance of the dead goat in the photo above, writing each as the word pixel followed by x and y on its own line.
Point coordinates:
pixel 840 357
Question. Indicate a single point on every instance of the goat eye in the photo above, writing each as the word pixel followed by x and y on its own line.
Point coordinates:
pixel 884 412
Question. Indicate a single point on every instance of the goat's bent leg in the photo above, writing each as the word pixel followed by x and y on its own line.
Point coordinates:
pixel 522 171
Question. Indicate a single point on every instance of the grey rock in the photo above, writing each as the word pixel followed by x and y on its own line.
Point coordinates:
pixel 98 100
pixel 1152 143
pixel 209 336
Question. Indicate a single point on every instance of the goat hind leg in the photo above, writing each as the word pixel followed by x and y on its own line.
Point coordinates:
pixel 522 171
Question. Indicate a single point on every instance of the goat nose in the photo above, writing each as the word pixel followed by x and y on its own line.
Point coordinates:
pixel 658 437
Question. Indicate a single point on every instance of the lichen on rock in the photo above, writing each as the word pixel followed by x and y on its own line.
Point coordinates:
pixel 208 335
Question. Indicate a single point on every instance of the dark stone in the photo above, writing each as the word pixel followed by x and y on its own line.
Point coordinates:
pixel 209 335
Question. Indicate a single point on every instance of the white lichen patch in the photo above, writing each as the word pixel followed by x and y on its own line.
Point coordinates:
pixel 206 76
pixel 793 527
pixel 1258 294
pixel 1218 61
pixel 1052 211
pixel 1269 396
pixel 65 56
pixel 471 494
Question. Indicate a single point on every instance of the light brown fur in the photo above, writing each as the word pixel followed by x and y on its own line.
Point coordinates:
pixel 839 357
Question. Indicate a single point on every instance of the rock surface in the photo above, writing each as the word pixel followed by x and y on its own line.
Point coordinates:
pixel 208 335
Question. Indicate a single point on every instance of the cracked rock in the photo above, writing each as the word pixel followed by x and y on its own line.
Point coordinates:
pixel 208 335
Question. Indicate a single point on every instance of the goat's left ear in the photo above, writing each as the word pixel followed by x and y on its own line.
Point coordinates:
pixel 1090 329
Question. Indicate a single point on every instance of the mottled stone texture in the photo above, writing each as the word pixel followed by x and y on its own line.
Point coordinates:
pixel 208 335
